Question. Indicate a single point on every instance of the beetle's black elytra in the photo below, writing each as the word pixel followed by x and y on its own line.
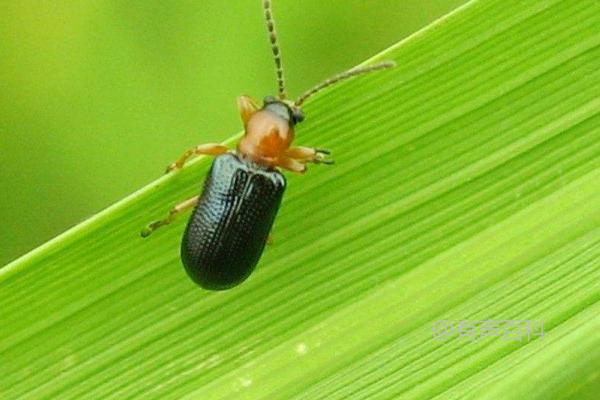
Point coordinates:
pixel 233 215
pixel 228 229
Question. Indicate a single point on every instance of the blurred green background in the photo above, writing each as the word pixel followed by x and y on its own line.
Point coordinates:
pixel 97 97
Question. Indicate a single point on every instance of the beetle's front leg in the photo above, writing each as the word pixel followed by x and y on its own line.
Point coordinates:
pixel 309 154
pixel 210 149
pixel 178 209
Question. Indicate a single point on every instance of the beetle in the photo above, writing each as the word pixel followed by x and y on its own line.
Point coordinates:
pixel 229 227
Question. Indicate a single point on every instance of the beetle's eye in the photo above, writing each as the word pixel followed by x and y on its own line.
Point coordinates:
pixel 269 99
pixel 298 116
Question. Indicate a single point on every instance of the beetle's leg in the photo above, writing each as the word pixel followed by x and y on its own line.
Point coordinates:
pixel 210 149
pixel 291 164
pixel 309 154
pixel 178 209
pixel 247 106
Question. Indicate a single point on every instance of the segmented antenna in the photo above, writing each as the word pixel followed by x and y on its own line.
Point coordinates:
pixel 274 47
pixel 343 76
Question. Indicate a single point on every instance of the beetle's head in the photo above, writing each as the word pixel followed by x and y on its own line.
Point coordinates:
pixel 284 109
pixel 269 130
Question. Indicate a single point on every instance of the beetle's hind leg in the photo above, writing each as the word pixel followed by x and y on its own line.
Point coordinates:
pixel 211 149
pixel 178 209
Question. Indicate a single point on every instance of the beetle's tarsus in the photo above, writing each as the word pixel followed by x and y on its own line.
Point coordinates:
pixel 174 167
pixel 173 212
pixel 147 231
pixel 321 157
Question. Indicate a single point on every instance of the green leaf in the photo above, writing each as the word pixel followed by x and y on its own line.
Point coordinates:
pixel 466 189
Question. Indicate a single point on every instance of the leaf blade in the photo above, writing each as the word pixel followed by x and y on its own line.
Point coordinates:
pixel 482 144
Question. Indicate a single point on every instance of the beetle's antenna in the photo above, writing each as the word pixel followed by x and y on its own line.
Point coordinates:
pixel 274 47
pixel 343 76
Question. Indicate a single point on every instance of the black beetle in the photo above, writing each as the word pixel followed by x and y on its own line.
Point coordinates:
pixel 233 215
